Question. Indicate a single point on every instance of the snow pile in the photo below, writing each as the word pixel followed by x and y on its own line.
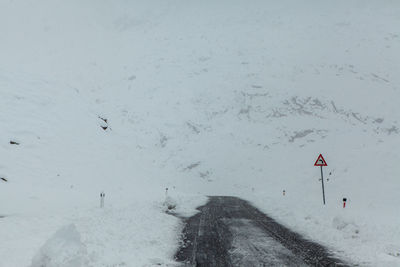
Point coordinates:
pixel 63 249
pixel 169 204
pixel 138 233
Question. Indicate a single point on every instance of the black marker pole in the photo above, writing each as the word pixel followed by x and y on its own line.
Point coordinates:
pixel 323 189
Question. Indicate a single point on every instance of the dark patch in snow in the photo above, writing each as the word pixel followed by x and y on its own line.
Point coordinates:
pixel 377 77
pixel 103 119
pixel 393 129
pixel 357 117
pixel 14 143
pixel 163 140
pixel 104 124
pixel 245 111
pixel 299 105
pixel 379 120
pixel 217 113
pixel 205 174
pixel 316 103
pixel 276 114
pixel 192 166
pixel 300 135
pixel 193 127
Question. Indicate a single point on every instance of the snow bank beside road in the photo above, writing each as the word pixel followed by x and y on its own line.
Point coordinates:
pixel 63 249
pixel 135 233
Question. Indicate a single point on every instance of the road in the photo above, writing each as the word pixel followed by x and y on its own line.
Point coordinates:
pixel 229 231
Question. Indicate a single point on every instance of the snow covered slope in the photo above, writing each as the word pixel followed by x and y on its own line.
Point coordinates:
pixel 202 97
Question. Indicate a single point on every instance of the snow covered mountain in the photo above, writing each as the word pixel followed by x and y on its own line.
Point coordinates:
pixel 205 98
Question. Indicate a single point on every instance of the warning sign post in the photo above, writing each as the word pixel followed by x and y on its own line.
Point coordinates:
pixel 321 162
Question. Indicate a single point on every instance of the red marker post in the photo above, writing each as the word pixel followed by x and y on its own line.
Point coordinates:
pixel 321 162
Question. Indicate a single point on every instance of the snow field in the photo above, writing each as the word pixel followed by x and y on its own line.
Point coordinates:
pixel 206 98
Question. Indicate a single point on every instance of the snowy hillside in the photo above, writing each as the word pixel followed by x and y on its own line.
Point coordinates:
pixel 205 98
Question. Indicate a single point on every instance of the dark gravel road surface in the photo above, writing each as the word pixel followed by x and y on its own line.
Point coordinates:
pixel 229 231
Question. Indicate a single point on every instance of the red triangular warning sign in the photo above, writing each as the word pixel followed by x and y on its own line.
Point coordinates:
pixel 320 161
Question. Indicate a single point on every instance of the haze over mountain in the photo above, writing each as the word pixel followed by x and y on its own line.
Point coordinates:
pixel 204 98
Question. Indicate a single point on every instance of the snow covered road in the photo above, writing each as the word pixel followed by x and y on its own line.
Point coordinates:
pixel 229 231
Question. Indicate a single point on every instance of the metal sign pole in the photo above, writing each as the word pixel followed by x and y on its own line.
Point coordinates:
pixel 323 189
